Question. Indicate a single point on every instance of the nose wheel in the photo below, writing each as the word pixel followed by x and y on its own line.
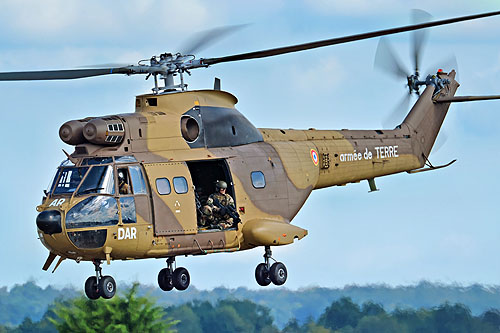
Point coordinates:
pixel 266 273
pixel 98 285
pixel 170 278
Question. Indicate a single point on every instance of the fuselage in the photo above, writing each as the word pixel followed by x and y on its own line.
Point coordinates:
pixel 172 151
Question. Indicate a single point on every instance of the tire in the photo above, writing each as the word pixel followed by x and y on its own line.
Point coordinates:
pixel 107 287
pixel 181 278
pixel 262 275
pixel 278 273
pixel 165 280
pixel 91 288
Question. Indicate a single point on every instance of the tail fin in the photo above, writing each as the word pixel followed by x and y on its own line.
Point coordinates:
pixel 426 117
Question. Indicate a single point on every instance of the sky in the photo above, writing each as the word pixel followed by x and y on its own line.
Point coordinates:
pixel 442 226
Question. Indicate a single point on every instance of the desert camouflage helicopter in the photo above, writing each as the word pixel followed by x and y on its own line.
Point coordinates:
pixel 136 185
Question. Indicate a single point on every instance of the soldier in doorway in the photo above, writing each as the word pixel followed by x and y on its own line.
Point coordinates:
pixel 218 205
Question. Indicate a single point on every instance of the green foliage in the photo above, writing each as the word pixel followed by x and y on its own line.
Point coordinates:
pixel 341 313
pixel 491 318
pixel 135 313
pixel 452 318
pixel 120 314
pixel 226 316
pixel 379 323
pixel 27 300
pixel 28 326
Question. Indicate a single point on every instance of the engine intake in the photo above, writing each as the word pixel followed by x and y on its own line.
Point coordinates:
pixel 104 132
pixel 100 131
pixel 71 132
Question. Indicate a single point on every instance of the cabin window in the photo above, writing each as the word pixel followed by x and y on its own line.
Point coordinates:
pixel 180 185
pixel 163 186
pixel 100 179
pixel 258 179
pixel 94 211
pixel 138 183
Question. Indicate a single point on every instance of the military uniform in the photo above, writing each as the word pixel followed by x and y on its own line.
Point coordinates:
pixel 211 210
pixel 123 187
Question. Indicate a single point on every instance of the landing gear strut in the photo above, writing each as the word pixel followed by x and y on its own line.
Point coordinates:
pixel 266 273
pixel 98 285
pixel 168 278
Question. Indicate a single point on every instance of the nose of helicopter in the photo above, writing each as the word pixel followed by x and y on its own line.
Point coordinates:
pixel 49 222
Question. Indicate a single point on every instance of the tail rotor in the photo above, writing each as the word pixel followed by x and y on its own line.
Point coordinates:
pixel 387 61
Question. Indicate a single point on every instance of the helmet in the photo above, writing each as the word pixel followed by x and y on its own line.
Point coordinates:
pixel 121 175
pixel 220 184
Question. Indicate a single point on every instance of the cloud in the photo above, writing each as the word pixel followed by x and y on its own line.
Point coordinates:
pixel 319 76
pixel 53 19
pixel 370 7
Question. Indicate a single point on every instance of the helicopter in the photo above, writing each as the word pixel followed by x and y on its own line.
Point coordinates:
pixel 179 143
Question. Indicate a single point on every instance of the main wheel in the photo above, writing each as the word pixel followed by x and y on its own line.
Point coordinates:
pixel 107 287
pixel 262 275
pixel 181 278
pixel 165 280
pixel 91 288
pixel 278 273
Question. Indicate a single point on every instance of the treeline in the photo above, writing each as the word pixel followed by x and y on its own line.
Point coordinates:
pixel 130 312
pixel 30 300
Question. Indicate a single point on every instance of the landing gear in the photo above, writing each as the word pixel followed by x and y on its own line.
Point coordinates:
pixel 98 285
pixel 168 278
pixel 266 273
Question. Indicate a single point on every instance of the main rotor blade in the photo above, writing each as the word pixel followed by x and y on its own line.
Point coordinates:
pixel 61 74
pixel 419 36
pixel 456 99
pixel 387 60
pixel 340 40
pixel 202 39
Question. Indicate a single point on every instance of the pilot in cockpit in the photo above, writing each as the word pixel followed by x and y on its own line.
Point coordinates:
pixel 123 186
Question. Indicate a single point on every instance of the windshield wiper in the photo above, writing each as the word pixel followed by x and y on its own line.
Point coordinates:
pixel 91 190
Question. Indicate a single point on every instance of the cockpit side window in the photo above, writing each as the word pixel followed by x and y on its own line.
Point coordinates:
pixel 138 183
pixel 100 179
pixel 68 179
pixel 124 181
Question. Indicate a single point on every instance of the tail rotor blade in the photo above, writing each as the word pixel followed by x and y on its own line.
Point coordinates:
pixel 447 65
pixel 440 141
pixel 419 36
pixel 398 114
pixel 386 60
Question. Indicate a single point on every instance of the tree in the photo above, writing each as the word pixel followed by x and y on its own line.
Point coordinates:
pixel 371 309
pixel 28 326
pixel 343 312
pixel 292 326
pixel 120 314
pixel 453 318
pixel 189 320
pixel 379 323
pixel 492 318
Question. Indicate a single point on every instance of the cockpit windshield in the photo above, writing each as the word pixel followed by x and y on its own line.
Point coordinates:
pixel 90 178
pixel 100 179
pixel 68 179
